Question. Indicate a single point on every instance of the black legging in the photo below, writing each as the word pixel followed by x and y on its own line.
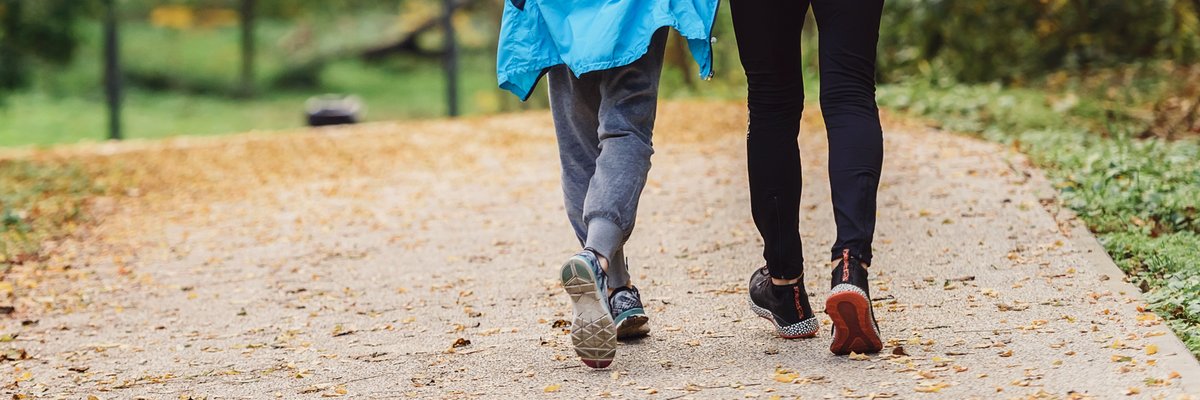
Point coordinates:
pixel 768 38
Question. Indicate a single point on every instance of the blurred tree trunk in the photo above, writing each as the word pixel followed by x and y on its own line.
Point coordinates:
pixel 112 70
pixel 678 57
pixel 408 43
pixel 450 52
pixel 247 23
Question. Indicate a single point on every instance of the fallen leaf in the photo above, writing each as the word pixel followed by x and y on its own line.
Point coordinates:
pixel 13 354
pixel 786 376
pixel 339 330
pixel 460 342
pixel 550 389
pixel 931 387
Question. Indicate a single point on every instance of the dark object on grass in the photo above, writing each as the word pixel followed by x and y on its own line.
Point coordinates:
pixel 332 110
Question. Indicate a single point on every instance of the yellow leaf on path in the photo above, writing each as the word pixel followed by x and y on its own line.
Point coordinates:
pixel 859 357
pixel 1151 349
pixel 932 387
pixel 551 389
pixel 786 376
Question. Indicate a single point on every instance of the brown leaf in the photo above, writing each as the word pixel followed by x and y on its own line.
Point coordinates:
pixel 13 355
pixel 339 330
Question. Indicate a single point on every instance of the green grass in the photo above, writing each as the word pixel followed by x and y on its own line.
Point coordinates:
pixel 399 91
pixel 40 201
pixel 1141 197
pixel 182 83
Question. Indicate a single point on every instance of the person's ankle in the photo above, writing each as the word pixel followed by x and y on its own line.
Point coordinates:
pixel 784 282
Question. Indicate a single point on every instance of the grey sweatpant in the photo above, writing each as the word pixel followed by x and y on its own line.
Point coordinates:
pixel 604 120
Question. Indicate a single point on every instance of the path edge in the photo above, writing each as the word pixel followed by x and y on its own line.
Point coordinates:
pixel 1174 355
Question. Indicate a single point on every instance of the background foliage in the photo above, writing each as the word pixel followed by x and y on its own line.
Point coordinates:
pixel 33 32
pixel 983 41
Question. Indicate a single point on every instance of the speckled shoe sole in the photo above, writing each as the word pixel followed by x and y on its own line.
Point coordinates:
pixel 854 328
pixel 592 330
pixel 800 330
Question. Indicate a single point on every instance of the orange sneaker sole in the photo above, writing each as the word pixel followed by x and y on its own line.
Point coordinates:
pixel 853 327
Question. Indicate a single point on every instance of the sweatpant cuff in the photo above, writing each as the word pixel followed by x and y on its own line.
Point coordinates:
pixel 605 237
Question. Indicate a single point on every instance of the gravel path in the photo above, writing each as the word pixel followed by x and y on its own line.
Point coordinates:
pixel 419 260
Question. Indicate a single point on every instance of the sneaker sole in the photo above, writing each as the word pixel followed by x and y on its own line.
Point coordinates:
pixel 801 330
pixel 633 326
pixel 853 328
pixel 592 330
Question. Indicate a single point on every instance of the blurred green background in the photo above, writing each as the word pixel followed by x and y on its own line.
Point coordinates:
pixel 1102 94
pixel 182 59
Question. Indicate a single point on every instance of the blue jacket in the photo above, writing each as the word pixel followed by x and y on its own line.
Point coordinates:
pixel 593 35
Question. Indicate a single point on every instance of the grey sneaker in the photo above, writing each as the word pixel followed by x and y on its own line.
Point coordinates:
pixel 628 314
pixel 592 331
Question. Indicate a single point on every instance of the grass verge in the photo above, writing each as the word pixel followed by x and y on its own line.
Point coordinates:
pixel 1141 197
pixel 39 201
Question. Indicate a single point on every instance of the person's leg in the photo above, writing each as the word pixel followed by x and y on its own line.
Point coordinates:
pixel 849 32
pixel 629 97
pixel 768 39
pixel 576 102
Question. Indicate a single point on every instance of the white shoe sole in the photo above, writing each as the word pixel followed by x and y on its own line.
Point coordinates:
pixel 592 330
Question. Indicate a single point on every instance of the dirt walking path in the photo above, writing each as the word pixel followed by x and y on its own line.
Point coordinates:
pixel 419 260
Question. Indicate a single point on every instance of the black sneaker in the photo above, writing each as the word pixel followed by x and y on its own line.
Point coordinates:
pixel 628 314
pixel 849 307
pixel 785 306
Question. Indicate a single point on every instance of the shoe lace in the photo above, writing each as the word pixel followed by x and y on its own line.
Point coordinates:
pixel 845 265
